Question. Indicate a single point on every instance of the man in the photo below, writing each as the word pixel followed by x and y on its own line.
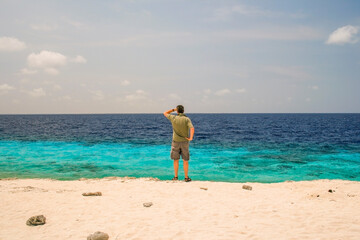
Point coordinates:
pixel 180 143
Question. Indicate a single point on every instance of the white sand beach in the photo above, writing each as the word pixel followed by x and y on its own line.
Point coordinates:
pixel 289 210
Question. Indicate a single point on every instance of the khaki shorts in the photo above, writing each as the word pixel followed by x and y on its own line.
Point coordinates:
pixel 180 148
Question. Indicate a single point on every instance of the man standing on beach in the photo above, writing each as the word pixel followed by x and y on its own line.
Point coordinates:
pixel 180 142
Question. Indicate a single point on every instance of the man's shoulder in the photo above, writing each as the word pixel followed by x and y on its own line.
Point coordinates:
pixel 170 116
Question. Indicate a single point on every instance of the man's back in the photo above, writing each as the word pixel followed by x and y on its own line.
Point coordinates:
pixel 181 125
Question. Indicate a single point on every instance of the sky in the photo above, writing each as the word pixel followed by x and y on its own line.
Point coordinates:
pixel 147 56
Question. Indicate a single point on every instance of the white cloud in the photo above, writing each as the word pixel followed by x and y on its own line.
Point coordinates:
pixel 125 83
pixel 207 91
pixel 275 33
pixel 51 71
pixel 138 95
pixel 346 34
pixel 174 96
pixel 25 80
pixel 148 39
pixel 26 71
pixel 66 97
pixel 240 90
pixel 5 88
pixel 308 99
pixel 204 99
pixel 291 72
pixel 42 27
pixel 57 87
pixel 97 95
pixel 37 92
pixel 225 13
pixel 10 44
pixel 79 59
pixel 146 13
pixel 75 23
pixel 222 92
pixel 314 87
pixel 47 61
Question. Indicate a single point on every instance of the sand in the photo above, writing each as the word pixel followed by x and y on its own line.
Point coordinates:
pixel 288 210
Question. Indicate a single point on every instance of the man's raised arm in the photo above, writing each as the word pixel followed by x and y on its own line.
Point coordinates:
pixel 168 112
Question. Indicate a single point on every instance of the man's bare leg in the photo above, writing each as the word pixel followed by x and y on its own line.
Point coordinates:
pixel 176 167
pixel 186 168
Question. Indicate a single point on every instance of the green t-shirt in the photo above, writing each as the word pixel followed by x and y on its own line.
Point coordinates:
pixel 181 125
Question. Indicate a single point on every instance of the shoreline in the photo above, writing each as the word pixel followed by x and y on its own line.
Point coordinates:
pixel 112 178
pixel 180 210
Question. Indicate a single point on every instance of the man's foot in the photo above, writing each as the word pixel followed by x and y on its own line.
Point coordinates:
pixel 187 179
pixel 175 178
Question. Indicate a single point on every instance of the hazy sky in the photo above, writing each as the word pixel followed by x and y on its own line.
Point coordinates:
pixel 148 56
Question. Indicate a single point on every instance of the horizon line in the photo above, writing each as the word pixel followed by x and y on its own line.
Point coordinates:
pixel 186 113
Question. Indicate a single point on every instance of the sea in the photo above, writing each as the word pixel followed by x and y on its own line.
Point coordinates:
pixel 263 148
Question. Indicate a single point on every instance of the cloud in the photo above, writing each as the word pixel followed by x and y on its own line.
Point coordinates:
pixel 222 92
pixel 314 87
pixel 125 83
pixel 240 90
pixel 51 71
pixel 9 44
pixel 79 59
pixel 46 59
pixel 138 95
pixel 37 92
pixel 207 91
pixel 226 13
pixel 346 34
pixel 26 71
pixel 57 87
pixel 97 95
pixel 5 88
pixel 75 23
pixel 275 33
pixel 147 39
pixel 49 62
pixel 174 96
pixel 66 98
pixel 42 27
pixel 292 72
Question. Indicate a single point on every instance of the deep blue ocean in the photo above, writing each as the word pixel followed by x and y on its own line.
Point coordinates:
pixel 226 147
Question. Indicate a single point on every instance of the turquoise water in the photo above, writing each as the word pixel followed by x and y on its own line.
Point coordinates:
pixel 66 161
pixel 243 151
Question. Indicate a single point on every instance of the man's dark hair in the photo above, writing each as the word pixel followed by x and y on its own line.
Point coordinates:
pixel 180 108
